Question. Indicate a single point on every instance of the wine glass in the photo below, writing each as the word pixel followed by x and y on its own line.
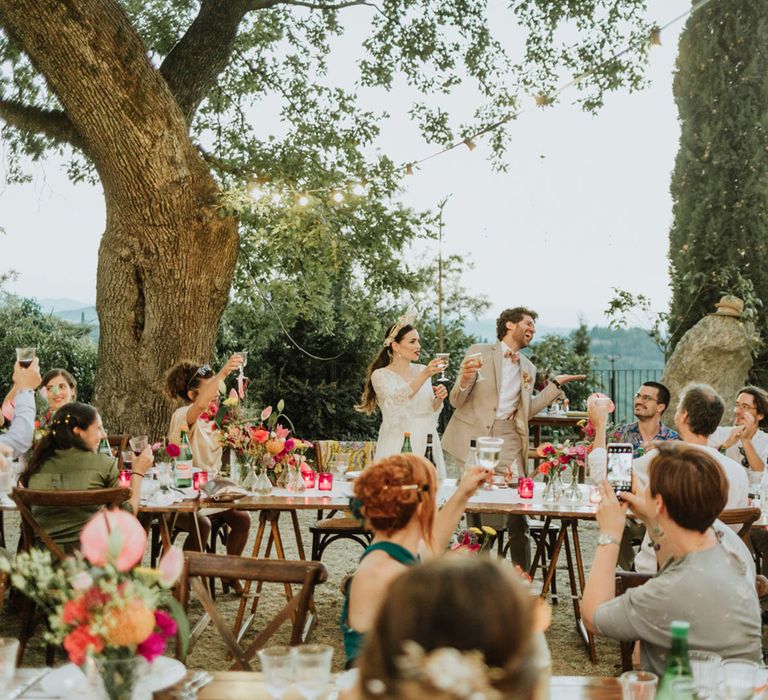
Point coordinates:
pixel 25 356
pixel 244 355
pixel 444 357
pixel 477 357
pixel 488 453
pixel 739 678
pixel 277 668
pixel 138 444
pixel 313 669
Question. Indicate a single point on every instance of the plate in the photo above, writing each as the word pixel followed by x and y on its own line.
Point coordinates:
pixel 353 474
pixel 162 673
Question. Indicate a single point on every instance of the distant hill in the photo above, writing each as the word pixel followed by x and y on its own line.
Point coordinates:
pixel 74 312
pixel 631 347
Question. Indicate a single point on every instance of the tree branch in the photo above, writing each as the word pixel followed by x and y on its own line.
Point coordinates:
pixel 193 65
pixel 264 4
pixel 51 123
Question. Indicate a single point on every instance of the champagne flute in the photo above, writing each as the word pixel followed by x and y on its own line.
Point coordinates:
pixel 244 355
pixel 488 453
pixel 444 357
pixel 478 358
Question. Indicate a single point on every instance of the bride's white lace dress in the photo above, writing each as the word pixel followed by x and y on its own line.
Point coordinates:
pixel 401 414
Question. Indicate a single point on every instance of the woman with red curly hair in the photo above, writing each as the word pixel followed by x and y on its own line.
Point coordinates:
pixel 397 496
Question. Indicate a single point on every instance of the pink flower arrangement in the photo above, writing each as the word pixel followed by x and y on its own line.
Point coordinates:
pixel 561 457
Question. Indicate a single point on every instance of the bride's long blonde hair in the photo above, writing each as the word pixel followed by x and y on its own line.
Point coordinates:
pixel 368 398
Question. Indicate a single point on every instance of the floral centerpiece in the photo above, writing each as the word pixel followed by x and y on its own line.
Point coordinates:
pixel 559 458
pixel 108 613
pixel 473 540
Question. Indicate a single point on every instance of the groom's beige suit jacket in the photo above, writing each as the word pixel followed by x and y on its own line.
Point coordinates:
pixel 475 406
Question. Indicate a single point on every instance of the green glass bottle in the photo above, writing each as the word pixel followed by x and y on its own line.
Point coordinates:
pixel 104 447
pixel 406 444
pixel 640 452
pixel 678 664
pixel 429 452
pixel 184 462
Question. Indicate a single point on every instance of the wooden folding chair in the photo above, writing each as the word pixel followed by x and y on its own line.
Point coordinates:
pixel 32 533
pixel 741 516
pixel 118 444
pixel 199 567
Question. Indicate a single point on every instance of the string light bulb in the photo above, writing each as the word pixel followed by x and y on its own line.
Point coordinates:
pixel 409 169
pixel 303 200
pixel 337 196
pixel 655 38
pixel 470 144
pixel 542 100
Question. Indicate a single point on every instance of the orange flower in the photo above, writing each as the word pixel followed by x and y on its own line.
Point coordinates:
pixel 275 446
pixel 130 625
pixel 75 611
pixel 544 467
pixel 79 641
pixel 260 435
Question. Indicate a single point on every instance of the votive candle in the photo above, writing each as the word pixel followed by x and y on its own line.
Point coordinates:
pixel 309 479
pixel 199 478
pixel 125 478
pixel 325 481
pixel 525 487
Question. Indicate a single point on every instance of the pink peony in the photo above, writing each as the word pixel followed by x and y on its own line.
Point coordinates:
pixel 172 450
pixel 152 647
pixel 170 567
pixel 290 443
pixel 115 537
pixel 165 623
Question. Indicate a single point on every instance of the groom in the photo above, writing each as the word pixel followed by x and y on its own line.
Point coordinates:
pixel 502 404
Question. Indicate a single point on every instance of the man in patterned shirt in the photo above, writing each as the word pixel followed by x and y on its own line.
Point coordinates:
pixel 651 400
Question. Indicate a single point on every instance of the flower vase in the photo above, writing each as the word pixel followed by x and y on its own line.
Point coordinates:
pixel 234 467
pixel 249 478
pixel 295 482
pixel 572 491
pixel 262 485
pixel 115 678
pixel 550 493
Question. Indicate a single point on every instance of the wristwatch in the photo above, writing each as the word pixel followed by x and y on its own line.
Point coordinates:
pixel 556 383
pixel 605 538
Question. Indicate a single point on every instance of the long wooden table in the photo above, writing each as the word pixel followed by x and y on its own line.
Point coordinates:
pixel 239 685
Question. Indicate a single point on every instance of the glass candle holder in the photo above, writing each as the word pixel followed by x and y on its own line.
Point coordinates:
pixel 199 478
pixel 325 481
pixel 125 478
pixel 525 487
pixel 309 479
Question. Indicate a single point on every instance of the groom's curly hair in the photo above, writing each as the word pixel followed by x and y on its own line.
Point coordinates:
pixel 514 316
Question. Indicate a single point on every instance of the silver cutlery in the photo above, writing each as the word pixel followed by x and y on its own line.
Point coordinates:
pixel 24 687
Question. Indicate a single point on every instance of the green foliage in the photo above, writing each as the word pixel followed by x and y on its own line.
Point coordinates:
pixel 58 343
pixel 557 354
pixel 719 238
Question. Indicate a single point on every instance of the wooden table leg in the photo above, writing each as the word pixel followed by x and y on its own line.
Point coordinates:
pixel 247 588
pixel 552 562
pixel 540 546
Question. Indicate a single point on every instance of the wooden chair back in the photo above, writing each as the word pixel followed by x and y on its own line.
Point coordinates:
pixel 360 453
pixel 741 516
pixel 118 444
pixel 624 581
pixel 26 499
pixel 199 567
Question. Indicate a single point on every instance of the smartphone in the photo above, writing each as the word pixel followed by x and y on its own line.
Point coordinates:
pixel 620 466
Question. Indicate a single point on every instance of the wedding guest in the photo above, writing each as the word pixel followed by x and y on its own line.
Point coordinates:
pixel 67 459
pixel 698 413
pixel 397 496
pixel 19 436
pixel 403 390
pixel 651 401
pixel 57 387
pixel 708 578
pixel 501 406
pixel 454 628
pixel 196 386
pixel 744 442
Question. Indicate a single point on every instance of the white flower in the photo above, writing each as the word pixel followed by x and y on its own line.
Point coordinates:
pixel 82 581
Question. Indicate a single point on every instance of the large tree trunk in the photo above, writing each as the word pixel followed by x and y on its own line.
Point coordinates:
pixel 166 259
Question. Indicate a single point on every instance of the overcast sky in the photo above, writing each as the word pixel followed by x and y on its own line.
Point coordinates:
pixel 584 207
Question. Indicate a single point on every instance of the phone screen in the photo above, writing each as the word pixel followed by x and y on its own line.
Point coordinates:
pixel 620 465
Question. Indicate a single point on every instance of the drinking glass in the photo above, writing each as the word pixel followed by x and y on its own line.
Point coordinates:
pixel 477 357
pixel 25 356
pixel 313 669
pixel 9 647
pixel 127 459
pixel 138 444
pixel 638 685
pixel 444 357
pixel 739 678
pixel 244 355
pixel 488 452
pixel 277 669
pixel 341 465
pixel 164 476
pixel 705 667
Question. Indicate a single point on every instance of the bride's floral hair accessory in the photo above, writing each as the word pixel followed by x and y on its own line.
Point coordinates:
pixel 406 319
pixel 464 674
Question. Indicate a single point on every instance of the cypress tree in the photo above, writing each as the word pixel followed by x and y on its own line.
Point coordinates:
pixel 719 235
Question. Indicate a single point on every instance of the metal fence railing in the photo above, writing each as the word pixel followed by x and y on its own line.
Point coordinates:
pixel 621 385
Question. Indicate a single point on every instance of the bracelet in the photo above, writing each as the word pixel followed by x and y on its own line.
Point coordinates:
pixel 137 474
pixel 557 384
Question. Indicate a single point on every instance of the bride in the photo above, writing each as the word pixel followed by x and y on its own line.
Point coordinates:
pixel 403 391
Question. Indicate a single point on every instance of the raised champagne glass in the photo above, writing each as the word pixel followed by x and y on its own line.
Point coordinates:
pixel 488 453
pixel 444 365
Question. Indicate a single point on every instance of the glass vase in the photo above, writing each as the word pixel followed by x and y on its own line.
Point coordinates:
pixel 249 478
pixel 234 467
pixel 262 485
pixel 550 494
pixel 572 491
pixel 115 678
pixel 295 481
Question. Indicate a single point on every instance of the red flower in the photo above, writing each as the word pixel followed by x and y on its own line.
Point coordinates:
pixel 75 611
pixel 165 623
pixel 79 641
pixel 564 458
pixel 260 435
pixel 152 647
pixel 172 450
pixel 544 467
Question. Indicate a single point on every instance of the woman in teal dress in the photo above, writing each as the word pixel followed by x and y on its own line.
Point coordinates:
pixel 398 498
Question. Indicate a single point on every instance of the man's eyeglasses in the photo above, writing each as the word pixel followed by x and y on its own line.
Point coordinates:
pixel 645 397
pixel 203 371
pixel 746 407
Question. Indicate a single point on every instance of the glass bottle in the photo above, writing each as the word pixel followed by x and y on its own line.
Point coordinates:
pixel 406 448
pixel 678 663
pixel 428 453
pixel 184 462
